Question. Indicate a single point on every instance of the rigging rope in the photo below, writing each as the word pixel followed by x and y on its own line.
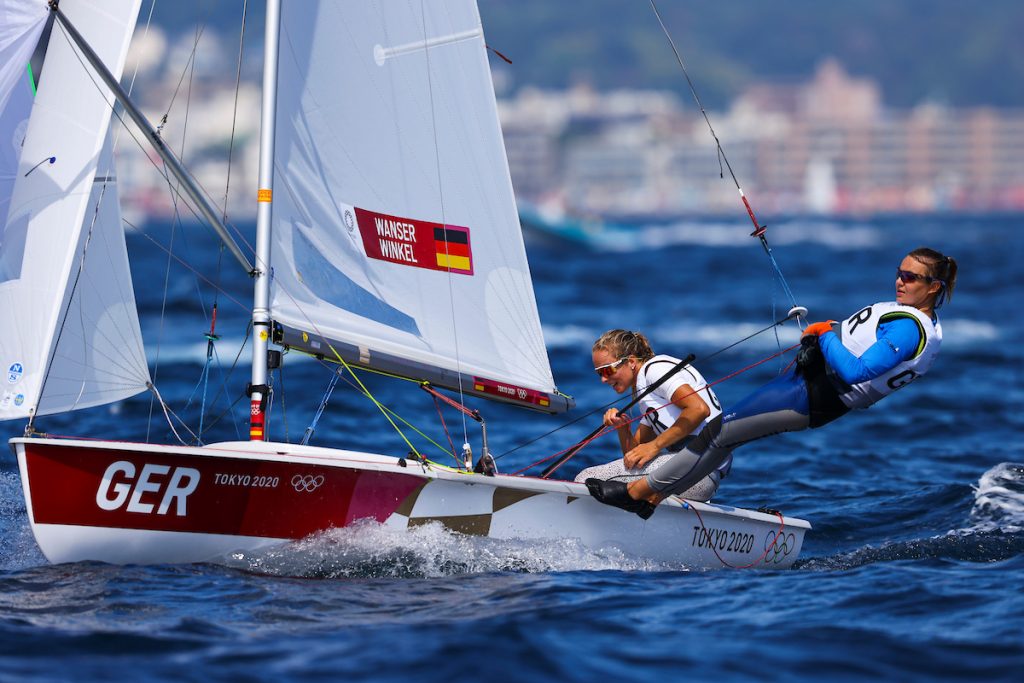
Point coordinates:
pixel 795 312
pixel 607 430
pixel 759 230
pixel 444 221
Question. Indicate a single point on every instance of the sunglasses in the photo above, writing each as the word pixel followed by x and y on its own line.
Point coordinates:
pixel 609 369
pixel 907 276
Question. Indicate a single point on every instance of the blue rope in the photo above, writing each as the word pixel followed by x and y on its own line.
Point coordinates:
pixel 323 406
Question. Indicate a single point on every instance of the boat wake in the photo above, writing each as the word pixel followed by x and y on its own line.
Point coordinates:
pixel 17 547
pixel 994 530
pixel 371 550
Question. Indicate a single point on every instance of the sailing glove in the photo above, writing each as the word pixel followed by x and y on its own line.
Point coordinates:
pixel 818 329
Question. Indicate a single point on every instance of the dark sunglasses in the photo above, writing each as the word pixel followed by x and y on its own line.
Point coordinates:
pixel 609 369
pixel 906 276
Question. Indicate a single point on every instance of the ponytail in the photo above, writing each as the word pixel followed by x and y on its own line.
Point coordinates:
pixel 941 268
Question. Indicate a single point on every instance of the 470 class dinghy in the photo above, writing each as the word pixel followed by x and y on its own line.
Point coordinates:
pixel 386 208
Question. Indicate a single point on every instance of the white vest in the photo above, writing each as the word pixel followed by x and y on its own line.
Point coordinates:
pixel 659 416
pixel 859 331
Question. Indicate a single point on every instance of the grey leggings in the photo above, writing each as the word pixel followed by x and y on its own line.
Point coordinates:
pixel 701 491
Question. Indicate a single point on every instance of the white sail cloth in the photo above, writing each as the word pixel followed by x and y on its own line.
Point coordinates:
pixel 65 286
pixel 394 222
pixel 21 24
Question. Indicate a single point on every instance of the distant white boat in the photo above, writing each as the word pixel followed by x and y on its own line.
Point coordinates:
pixel 386 209
pixel 820 194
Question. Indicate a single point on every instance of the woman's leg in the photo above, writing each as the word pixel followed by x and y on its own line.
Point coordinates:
pixel 615 470
pixel 779 406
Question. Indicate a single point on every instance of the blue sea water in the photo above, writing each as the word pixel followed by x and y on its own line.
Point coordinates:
pixel 912 571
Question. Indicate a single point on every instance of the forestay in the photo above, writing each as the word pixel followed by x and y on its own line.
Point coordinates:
pixel 396 240
pixel 65 286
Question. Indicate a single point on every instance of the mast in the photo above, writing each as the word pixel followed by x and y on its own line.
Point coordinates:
pixel 259 390
pixel 171 162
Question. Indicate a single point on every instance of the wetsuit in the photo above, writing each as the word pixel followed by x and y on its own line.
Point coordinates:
pixel 874 352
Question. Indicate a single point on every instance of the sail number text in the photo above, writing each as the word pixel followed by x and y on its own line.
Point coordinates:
pixel 157 488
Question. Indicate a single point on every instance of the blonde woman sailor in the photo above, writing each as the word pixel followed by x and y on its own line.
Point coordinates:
pixel 682 411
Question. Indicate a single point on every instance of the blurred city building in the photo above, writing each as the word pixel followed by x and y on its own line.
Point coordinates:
pixel 824 146
pixel 828 145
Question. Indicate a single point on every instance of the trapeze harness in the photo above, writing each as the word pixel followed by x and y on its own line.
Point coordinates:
pixel 876 351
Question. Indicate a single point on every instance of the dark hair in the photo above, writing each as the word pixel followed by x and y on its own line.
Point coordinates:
pixel 622 343
pixel 941 268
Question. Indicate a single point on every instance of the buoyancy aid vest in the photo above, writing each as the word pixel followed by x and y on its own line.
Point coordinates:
pixel 859 331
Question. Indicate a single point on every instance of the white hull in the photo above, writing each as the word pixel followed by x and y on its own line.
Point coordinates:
pixel 143 504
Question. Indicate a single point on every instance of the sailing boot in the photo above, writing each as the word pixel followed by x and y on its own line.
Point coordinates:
pixel 615 493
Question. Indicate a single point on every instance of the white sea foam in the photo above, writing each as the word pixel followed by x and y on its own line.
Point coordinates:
pixel 570 336
pixel 17 546
pixel 194 352
pixel 368 549
pixel 999 499
pixel 961 332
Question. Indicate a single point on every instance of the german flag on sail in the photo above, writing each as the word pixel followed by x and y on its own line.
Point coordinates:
pixel 451 247
pixel 411 242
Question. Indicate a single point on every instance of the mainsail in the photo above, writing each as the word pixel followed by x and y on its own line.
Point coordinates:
pixel 65 285
pixel 396 241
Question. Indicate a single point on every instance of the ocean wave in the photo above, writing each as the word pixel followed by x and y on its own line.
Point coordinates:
pixel 962 332
pixel 999 500
pixel 371 550
pixel 959 545
pixel 569 336
pixel 957 333
pixel 994 530
pixel 830 234
pixel 18 548
pixel 194 352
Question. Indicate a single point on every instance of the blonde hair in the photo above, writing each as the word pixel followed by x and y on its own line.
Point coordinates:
pixel 623 343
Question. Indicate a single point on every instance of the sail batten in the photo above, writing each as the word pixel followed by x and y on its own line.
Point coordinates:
pixel 397 230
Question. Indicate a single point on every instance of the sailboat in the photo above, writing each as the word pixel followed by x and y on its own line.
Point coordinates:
pixel 387 238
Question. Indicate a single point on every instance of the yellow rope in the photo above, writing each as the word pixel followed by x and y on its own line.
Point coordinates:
pixel 388 412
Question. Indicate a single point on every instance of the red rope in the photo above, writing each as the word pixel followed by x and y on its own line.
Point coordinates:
pixel 782 526
pixel 445 427
pixel 631 420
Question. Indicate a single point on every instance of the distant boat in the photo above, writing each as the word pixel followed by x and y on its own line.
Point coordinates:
pixel 552 227
pixel 820 194
pixel 386 208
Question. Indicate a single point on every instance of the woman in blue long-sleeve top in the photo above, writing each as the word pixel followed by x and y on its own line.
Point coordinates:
pixel 841 366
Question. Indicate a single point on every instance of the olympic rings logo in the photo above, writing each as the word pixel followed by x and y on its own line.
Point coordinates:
pixel 778 546
pixel 307 483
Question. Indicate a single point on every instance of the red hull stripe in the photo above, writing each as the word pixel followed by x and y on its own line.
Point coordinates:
pixel 511 392
pixel 204 494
